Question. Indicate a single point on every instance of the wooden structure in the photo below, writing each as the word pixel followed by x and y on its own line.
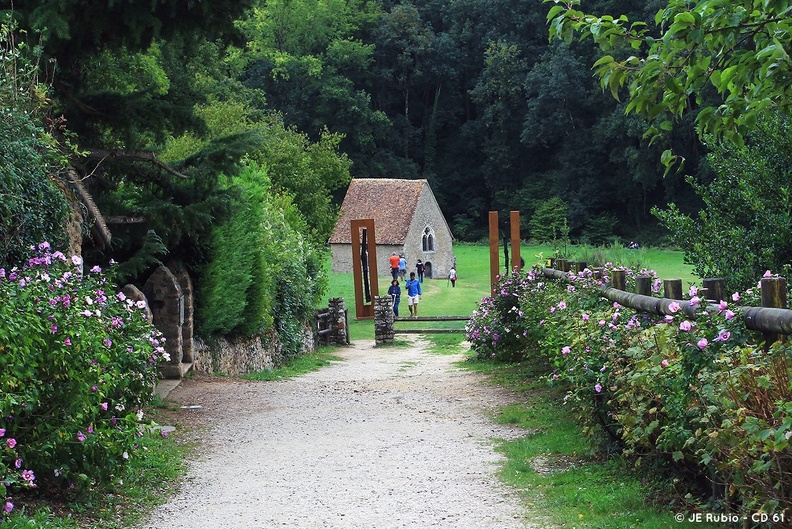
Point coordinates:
pixel 772 318
pixel 364 267
pixel 429 318
pixel 494 239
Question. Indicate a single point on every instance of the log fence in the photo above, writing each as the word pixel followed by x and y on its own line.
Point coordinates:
pixel 772 319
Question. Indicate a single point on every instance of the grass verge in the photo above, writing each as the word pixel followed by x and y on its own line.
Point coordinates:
pixel 298 366
pixel 562 477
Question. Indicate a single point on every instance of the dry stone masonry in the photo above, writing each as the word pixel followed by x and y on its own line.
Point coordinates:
pixel 383 319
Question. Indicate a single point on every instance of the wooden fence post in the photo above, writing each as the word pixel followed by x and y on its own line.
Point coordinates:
pixel 618 279
pixel 493 240
pixel 579 266
pixel 514 225
pixel 643 285
pixel 714 289
pixel 774 295
pixel 672 288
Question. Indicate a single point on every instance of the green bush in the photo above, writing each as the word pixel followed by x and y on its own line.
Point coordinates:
pixel 693 390
pixel 32 208
pixel 264 271
pixel 79 365
pixel 745 227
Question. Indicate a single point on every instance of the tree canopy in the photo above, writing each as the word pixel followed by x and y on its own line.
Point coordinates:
pixel 738 50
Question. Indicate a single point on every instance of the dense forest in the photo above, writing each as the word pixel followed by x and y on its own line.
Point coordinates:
pixel 470 94
pixel 155 109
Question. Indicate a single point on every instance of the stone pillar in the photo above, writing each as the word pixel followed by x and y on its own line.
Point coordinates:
pixel 338 321
pixel 188 346
pixel 383 319
pixel 132 292
pixel 164 296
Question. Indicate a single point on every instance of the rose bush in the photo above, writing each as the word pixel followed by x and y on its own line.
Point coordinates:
pixel 79 364
pixel 694 388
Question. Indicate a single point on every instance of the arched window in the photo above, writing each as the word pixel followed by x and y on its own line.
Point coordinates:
pixel 427 244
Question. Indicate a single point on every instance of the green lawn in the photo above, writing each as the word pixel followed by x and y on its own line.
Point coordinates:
pixel 439 298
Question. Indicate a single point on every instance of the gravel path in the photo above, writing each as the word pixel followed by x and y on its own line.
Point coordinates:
pixel 387 438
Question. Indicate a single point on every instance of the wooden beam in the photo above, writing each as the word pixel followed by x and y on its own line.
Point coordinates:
pixel 493 241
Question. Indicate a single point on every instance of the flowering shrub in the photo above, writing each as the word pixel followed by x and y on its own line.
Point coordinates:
pixel 502 328
pixel 79 362
pixel 693 387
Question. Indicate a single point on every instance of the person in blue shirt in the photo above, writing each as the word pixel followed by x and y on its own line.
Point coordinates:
pixel 402 267
pixel 413 287
pixel 395 294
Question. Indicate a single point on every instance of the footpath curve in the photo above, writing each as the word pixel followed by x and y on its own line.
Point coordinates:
pixel 386 438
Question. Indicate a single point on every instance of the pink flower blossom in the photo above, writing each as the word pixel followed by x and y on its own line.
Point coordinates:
pixel 685 326
pixel 80 436
pixel 664 363
pixel 18 463
pixel 722 306
pixel 562 305
pixel 103 406
pixel 566 350
pixel 703 343
pixel 11 442
pixel 67 341
pixel 585 317
pixel 673 307
pixel 2 432
pixel 728 315
pixel 598 387
pixel 736 296
pixel 555 376
pixel 693 291
pixel 723 336
pixel 694 301
pixel 552 310
pixel 601 323
pixel 8 507
pixel 767 274
pixel 28 475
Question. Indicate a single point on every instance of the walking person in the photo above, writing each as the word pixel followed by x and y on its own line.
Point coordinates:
pixel 394 265
pixel 452 277
pixel 395 294
pixel 419 268
pixel 413 287
pixel 402 267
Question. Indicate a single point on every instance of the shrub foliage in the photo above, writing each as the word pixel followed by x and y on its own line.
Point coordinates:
pixel 79 364
pixel 699 393
pixel 264 273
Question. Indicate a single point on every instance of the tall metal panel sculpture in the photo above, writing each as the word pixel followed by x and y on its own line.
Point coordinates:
pixel 364 267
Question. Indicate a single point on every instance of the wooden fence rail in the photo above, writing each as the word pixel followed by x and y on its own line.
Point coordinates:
pixel 768 320
pixel 430 318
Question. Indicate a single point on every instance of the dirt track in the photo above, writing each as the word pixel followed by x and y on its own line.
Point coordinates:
pixel 387 438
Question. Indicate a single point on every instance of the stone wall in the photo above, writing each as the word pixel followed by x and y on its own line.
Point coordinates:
pixel 383 319
pixel 243 356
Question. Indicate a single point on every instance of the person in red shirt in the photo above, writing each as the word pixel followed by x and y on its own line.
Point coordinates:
pixel 394 264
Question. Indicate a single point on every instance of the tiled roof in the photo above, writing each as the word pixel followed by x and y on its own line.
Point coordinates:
pixel 390 202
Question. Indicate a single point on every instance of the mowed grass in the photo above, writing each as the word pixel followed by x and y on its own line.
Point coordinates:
pixel 440 299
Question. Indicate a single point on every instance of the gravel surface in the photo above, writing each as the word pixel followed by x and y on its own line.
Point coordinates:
pixel 386 438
